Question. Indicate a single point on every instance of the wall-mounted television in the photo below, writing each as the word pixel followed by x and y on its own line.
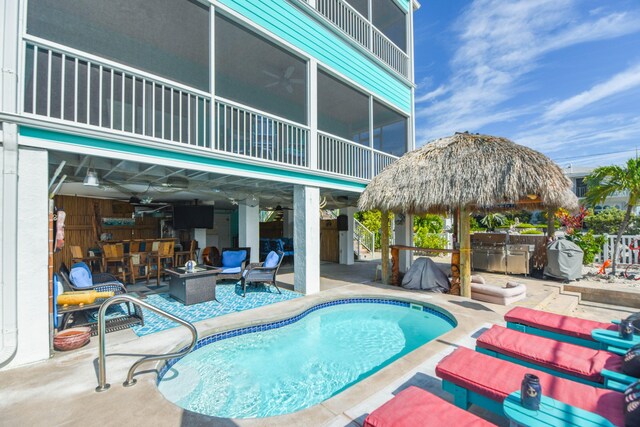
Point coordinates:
pixel 186 217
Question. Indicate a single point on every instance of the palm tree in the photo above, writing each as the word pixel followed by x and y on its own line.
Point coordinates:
pixel 607 180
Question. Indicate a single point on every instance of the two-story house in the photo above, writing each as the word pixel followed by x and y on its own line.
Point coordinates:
pixel 578 176
pixel 243 104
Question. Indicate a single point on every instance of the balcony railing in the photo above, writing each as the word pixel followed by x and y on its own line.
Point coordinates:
pixel 357 27
pixel 244 131
pixel 343 157
pixel 63 85
pixel 93 92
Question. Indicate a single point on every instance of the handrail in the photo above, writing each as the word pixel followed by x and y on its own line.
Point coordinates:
pixel 102 377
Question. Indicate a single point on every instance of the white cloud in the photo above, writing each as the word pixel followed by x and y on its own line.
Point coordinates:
pixel 619 83
pixel 499 43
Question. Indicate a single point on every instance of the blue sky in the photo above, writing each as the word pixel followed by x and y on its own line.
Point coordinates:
pixel 559 76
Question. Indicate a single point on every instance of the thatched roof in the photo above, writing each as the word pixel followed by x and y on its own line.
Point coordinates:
pixel 479 171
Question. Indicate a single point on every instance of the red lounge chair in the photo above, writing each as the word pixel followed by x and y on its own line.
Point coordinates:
pixel 475 378
pixel 415 407
pixel 583 364
pixel 555 326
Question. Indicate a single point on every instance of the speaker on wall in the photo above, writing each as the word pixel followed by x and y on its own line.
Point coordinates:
pixel 343 223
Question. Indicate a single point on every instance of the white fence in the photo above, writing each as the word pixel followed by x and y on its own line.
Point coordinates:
pixel 625 254
pixel 344 157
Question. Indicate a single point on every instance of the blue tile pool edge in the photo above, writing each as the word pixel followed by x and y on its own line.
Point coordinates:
pixel 426 307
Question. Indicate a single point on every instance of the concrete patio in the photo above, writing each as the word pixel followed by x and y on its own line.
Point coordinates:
pixel 60 391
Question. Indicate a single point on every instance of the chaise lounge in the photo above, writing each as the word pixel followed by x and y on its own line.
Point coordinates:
pixel 556 326
pixel 413 406
pixel 475 378
pixel 591 366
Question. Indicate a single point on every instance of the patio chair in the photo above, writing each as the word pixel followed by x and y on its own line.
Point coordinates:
pixel 211 256
pixel 413 406
pixel 583 364
pixel 113 257
pixel 475 378
pixel 233 262
pixel 83 280
pixel 263 272
pixel 161 256
pixel 556 326
pixel 181 257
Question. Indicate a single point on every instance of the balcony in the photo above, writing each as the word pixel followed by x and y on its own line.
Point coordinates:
pixel 67 86
pixel 358 28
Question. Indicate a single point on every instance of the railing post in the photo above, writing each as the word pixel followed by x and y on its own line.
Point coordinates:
pixel 312 143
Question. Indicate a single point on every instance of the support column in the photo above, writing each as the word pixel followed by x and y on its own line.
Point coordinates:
pixel 32 253
pixel 404 237
pixel 385 246
pixel 249 229
pixel 346 237
pixel 287 224
pixel 200 236
pixel 306 239
pixel 465 253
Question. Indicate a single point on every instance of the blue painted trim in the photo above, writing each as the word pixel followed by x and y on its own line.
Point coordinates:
pixel 173 155
pixel 554 335
pixel 464 398
pixel 279 324
pixel 291 24
pixel 542 368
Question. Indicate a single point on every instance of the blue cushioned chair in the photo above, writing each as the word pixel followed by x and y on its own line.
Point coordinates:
pixel 233 262
pixel 264 272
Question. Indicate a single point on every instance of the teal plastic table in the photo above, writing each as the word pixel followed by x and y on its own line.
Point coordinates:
pixel 612 342
pixel 551 413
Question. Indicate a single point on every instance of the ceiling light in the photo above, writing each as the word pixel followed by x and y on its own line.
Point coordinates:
pixel 252 201
pixel 91 180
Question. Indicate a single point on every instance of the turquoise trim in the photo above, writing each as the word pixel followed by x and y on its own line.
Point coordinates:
pixel 464 398
pixel 319 41
pixel 554 335
pixel 617 380
pixel 187 157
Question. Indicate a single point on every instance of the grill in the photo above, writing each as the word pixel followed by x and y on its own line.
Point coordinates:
pixel 503 258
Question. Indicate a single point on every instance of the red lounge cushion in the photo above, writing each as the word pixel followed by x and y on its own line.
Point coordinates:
pixel 572 359
pixel 496 379
pixel 565 325
pixel 414 407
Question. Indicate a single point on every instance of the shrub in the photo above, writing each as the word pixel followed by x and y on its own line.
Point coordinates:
pixel 590 244
pixel 609 220
pixel 423 239
pixel 433 223
pixel 525 225
pixel 531 231
pixel 492 220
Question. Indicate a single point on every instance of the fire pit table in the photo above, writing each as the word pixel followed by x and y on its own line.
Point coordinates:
pixel 193 287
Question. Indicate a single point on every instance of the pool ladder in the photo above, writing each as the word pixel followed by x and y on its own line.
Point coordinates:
pixel 102 375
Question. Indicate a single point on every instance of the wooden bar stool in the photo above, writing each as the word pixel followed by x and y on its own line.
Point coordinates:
pixel 113 256
pixel 181 257
pixel 164 254
pixel 77 255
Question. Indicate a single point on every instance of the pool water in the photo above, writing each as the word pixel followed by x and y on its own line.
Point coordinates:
pixel 292 367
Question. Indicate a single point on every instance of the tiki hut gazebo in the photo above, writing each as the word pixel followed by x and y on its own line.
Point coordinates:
pixel 465 173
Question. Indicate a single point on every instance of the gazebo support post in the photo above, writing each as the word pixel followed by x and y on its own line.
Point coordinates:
pixel 384 220
pixel 465 252
pixel 551 223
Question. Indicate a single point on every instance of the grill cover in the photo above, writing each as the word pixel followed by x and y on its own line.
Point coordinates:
pixel 564 260
pixel 425 274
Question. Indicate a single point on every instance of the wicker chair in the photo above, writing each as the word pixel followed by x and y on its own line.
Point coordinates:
pixel 102 282
pixel 257 273
pixel 237 273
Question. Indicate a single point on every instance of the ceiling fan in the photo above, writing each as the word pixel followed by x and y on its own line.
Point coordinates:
pixel 283 79
pixel 277 208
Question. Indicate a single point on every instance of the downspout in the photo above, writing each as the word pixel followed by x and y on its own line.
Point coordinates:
pixel 9 260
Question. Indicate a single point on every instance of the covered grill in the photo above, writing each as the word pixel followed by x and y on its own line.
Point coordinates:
pixel 564 260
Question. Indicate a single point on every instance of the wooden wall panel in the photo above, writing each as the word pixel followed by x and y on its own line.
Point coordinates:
pixel 271 230
pixel 80 228
pixel 329 241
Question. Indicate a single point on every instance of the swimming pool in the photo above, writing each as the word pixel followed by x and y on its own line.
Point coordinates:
pixel 286 366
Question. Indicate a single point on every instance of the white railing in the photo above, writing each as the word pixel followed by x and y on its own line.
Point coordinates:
pixel 345 17
pixel 94 92
pixel 625 254
pixel 363 237
pixel 391 54
pixel 343 157
pixel 248 132
pixel 359 28
pixel 63 84
pixel 381 160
